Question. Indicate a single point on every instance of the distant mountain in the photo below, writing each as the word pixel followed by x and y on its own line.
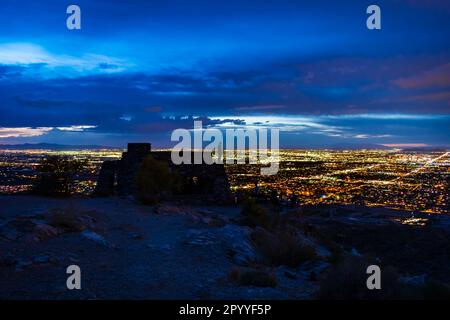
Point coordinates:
pixel 57 147
pixel 347 146
pixel 50 146
pixel 427 149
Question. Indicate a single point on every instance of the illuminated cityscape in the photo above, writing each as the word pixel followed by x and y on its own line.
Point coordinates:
pixel 389 178
pixel 406 180
pixel 18 167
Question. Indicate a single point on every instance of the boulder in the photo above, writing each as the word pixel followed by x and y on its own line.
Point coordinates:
pixel 95 237
pixel 238 243
pixel 8 232
pixel 417 281
pixel 44 231
pixel 235 239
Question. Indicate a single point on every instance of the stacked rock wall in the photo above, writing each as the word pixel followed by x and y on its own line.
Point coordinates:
pixel 119 177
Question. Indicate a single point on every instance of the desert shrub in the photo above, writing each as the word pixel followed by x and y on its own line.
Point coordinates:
pixel 336 251
pixel 197 184
pixel 56 175
pixel 434 290
pixel 253 277
pixel 68 219
pixel 255 215
pixel 282 247
pixel 347 281
pixel 155 180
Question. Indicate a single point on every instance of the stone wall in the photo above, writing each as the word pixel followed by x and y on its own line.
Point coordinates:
pixel 119 177
pixel 106 181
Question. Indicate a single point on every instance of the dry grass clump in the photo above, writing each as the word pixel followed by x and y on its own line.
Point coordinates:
pixel 70 219
pixel 347 281
pixel 255 215
pixel 282 247
pixel 434 290
pixel 260 277
pixel 156 181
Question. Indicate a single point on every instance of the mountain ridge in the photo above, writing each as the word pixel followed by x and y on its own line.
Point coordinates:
pixel 51 146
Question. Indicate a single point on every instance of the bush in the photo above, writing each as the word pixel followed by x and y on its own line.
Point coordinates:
pixel 282 247
pixel 68 219
pixel 56 176
pixel 433 290
pixel 255 215
pixel 347 281
pixel 252 277
pixel 155 180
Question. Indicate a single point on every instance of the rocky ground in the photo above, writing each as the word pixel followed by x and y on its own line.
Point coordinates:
pixel 181 251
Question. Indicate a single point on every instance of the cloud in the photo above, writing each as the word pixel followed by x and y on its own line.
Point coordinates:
pixel 430 4
pixel 76 128
pixel 23 132
pixel 443 98
pixel 434 78
pixel 24 53
pixel 282 123
pixel 8 71
pixel 29 54
pixel 405 145
pixel 155 109
pixel 260 108
pixel 272 87
pixel 388 116
pixel 367 136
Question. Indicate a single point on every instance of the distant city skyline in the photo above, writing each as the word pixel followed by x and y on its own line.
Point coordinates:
pixel 138 70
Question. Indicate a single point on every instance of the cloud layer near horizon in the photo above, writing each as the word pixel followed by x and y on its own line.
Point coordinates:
pixel 318 75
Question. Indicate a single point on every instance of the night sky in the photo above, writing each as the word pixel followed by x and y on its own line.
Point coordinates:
pixel 139 69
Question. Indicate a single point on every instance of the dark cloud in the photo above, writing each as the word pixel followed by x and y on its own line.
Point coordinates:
pixel 107 66
pixel 335 86
pixel 10 71
pixel 434 78
pixel 146 67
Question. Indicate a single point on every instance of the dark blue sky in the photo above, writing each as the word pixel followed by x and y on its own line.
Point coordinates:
pixel 139 69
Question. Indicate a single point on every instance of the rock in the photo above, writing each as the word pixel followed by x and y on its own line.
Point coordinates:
pixel 44 231
pixel 321 252
pixel 93 236
pixel 290 274
pixel 70 219
pixel 215 221
pixel 163 247
pixel 169 209
pixel 166 247
pixel 24 224
pixel 417 281
pixel 199 237
pixel 258 277
pixel 9 233
pixel 22 263
pixel 71 257
pixel 355 253
pixel 7 260
pixel 237 241
pixel 42 259
pixel 136 236
pixel 313 269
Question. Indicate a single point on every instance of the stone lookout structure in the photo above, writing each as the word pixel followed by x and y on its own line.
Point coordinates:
pixel 118 177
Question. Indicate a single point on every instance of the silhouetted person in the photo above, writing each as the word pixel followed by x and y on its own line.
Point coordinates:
pixel 256 190
pixel 274 198
pixel 294 200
